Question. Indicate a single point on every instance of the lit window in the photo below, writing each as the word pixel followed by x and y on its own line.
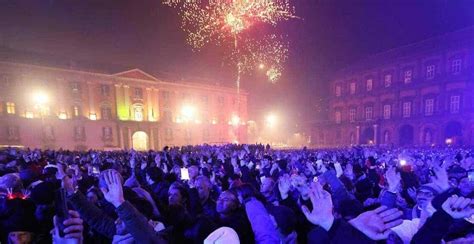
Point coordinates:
pixel 369 84
pixel 408 76
pixel 138 112
pixel 368 113
pixel 406 109
pixel 352 114
pixel 76 111
pixel 430 71
pixel 338 91
pixel 429 107
pixel 338 117
pixel 454 104
pixel 388 80
pixel 11 108
pixel 456 66
pixel 352 88
pixel 387 111
pixel 29 115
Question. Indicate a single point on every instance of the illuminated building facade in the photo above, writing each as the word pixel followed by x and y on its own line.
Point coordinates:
pixel 420 94
pixel 45 107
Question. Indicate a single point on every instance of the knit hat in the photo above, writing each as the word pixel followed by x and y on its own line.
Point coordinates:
pixel 43 193
pixel 223 235
pixel 18 215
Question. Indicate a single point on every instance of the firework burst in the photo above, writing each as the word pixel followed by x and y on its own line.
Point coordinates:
pixel 219 22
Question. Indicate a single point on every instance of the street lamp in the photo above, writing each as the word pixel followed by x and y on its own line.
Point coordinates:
pixel 271 120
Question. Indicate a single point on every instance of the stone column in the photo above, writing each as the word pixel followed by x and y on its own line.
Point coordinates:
pixel 90 87
pixel 119 99
pixel 130 138
pixel 357 135
pixel 149 105
pixel 376 132
pixel 152 140
pixel 126 94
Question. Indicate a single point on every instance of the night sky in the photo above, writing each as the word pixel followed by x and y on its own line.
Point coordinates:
pixel 145 34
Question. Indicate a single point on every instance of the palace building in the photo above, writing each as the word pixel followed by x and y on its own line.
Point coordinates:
pixel 50 107
pixel 419 94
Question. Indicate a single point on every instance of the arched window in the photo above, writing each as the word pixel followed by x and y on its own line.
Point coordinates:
pixel 138 112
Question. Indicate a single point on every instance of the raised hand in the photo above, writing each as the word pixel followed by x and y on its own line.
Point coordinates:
pixel 72 231
pixel 376 224
pixel 458 207
pixel 284 184
pixel 412 193
pixel 440 178
pixel 114 191
pixel 393 179
pixel 322 207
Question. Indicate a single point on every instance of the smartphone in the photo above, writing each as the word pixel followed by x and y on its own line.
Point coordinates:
pixel 61 210
pixel 470 175
pixel 95 170
pixel 184 174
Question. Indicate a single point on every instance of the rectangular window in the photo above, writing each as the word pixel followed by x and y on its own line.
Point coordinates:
pixel 106 113
pixel 430 71
pixel 76 111
pixel 388 80
pixel 352 88
pixel 429 107
pixel 368 113
pixel 107 133
pixel 352 115
pixel 79 133
pixel 454 104
pixel 408 76
pixel 338 91
pixel 138 113
pixel 138 92
pixel 11 108
pixel 205 101
pixel 76 87
pixel 221 101
pixel 338 117
pixel 456 66
pixel 406 109
pixel 13 133
pixel 369 84
pixel 105 90
pixel 387 111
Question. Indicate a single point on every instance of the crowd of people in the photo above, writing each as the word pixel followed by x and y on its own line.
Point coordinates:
pixel 238 194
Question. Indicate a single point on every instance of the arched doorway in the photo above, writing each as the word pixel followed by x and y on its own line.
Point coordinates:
pixel 453 131
pixel 140 141
pixel 367 136
pixel 405 133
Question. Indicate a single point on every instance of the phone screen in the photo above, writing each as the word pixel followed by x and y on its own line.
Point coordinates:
pixel 184 174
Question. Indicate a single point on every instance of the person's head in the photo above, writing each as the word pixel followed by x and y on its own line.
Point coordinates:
pixel 153 175
pixel 203 186
pixel 20 237
pixel 94 195
pixel 268 184
pixel 193 172
pixel 227 203
pixel 425 194
pixel 177 194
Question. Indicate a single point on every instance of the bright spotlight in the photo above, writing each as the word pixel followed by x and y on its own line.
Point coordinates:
pixel 449 141
pixel 40 98
pixel 261 66
pixel 272 120
pixel 403 162
pixel 235 120
pixel 188 112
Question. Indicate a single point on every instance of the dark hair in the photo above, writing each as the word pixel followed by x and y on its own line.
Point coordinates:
pixel 155 174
